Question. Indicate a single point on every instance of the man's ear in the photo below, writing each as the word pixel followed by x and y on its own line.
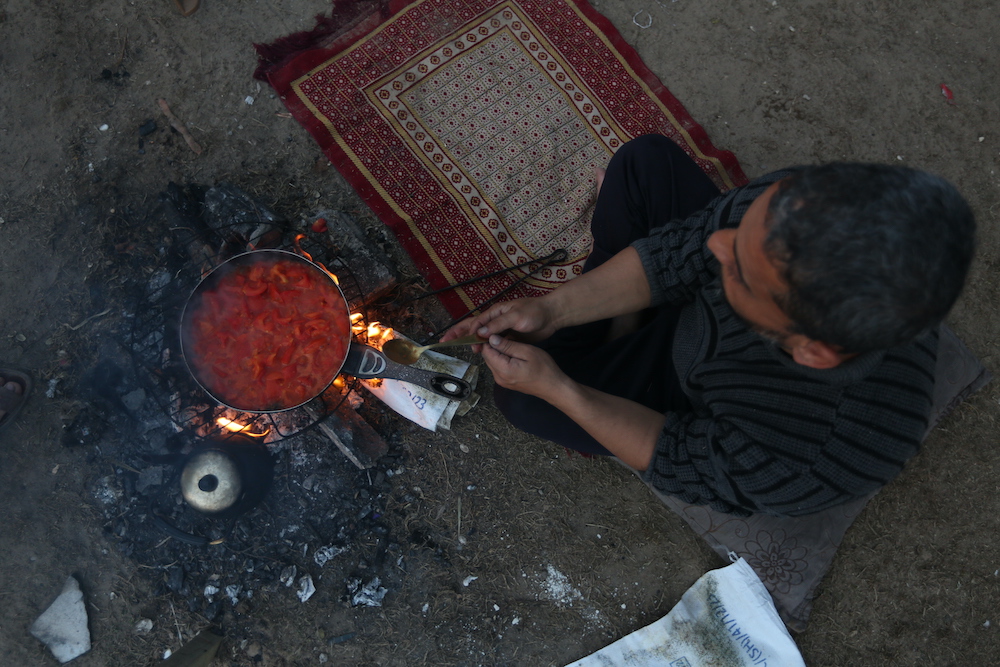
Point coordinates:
pixel 817 354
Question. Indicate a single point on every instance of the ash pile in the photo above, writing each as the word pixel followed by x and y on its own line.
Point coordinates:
pixel 319 525
pixel 222 507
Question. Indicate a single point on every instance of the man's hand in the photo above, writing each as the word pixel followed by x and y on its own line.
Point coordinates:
pixel 616 287
pixel 524 368
pixel 531 319
pixel 628 430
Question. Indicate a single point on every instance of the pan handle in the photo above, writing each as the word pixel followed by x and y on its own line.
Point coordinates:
pixel 366 362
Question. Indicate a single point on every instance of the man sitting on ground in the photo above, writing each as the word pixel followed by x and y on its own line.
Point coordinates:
pixel 785 354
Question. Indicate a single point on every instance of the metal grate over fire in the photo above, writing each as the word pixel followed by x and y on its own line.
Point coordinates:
pixel 217 504
pixel 155 342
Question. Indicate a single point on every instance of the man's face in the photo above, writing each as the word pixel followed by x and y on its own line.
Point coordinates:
pixel 749 277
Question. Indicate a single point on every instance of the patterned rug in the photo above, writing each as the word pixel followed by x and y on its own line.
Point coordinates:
pixel 472 128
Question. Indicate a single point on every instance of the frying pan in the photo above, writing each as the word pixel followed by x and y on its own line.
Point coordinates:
pixel 360 361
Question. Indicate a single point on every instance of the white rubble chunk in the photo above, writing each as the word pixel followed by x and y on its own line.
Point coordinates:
pixel 63 626
pixel 306 588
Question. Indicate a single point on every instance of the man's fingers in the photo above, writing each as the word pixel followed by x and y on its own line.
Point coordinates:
pixel 460 329
pixel 465 327
pixel 504 346
pixel 502 322
pixel 511 349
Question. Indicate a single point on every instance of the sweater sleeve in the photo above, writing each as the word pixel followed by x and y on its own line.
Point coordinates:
pixel 675 256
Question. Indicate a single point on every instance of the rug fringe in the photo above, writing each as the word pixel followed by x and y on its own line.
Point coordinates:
pixel 344 15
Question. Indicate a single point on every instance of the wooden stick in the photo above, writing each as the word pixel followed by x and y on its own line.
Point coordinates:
pixel 179 126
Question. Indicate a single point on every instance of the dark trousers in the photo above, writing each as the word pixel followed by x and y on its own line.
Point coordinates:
pixel 650 181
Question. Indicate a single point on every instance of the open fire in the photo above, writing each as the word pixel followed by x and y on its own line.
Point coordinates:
pixel 319 504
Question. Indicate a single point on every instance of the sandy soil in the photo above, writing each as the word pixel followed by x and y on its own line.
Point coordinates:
pixel 776 82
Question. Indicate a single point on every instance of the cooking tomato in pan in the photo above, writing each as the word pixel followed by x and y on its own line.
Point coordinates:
pixel 266 331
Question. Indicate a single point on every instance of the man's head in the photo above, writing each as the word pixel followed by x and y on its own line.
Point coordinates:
pixel 841 259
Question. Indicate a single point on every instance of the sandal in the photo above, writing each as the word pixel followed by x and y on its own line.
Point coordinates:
pixel 12 402
pixel 187 7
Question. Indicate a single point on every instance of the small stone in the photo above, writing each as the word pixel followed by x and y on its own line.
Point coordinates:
pixel 103 128
pixel 63 626
pixel 147 128
pixel 143 626
pixel 464 447
pixel 249 100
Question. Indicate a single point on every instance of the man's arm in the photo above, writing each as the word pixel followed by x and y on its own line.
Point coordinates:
pixel 616 287
pixel 626 428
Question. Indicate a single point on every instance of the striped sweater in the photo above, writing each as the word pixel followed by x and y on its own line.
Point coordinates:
pixel 766 434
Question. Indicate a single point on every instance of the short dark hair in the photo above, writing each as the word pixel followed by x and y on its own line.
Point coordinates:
pixel 873 254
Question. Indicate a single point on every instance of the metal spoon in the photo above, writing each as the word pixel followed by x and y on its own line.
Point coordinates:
pixel 407 352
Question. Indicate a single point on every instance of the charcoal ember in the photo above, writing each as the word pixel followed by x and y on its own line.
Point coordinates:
pixel 369 264
pixel 181 208
pixel 86 428
pixel 134 399
pixel 236 216
pixel 152 476
pixel 175 580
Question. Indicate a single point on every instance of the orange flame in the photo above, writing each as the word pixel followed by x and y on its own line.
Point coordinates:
pixel 237 427
pixel 375 332
pixel 299 250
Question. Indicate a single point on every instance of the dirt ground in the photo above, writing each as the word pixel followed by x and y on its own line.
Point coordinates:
pixel 774 81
